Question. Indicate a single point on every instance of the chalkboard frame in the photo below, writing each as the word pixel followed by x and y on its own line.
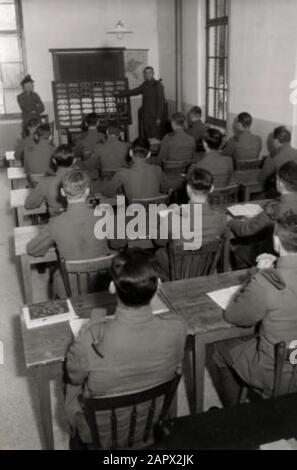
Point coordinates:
pixel 57 53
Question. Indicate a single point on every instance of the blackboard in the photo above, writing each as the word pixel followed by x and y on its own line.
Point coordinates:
pixel 88 64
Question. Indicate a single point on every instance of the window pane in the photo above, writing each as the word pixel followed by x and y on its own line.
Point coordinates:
pixel 211 72
pixel 11 75
pixel 211 102
pixel 11 105
pixel 211 9
pixel 9 49
pixel 7 17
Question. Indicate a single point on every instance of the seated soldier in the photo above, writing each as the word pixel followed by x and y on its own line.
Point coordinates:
pixel 212 225
pixel 112 154
pixel 134 351
pixel 284 153
pixel 90 137
pixel 38 157
pixel 197 128
pixel 177 146
pixel 243 145
pixel 73 230
pixel 27 141
pixel 140 179
pixel 49 187
pixel 272 210
pixel 268 301
pixel 219 166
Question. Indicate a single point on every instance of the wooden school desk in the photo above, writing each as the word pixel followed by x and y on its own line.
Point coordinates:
pixel 11 160
pixel 17 177
pixel 248 179
pixel 45 347
pixel 22 235
pixel 17 202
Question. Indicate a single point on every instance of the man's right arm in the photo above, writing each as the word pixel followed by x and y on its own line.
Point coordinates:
pixel 268 170
pixel 35 198
pixel 39 245
pixel 134 92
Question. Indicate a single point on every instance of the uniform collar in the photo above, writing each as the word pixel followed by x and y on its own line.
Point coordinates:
pixel 142 314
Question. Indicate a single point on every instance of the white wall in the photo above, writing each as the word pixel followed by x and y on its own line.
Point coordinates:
pixel 263 61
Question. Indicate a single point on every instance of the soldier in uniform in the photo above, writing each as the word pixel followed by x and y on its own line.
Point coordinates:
pixel 90 137
pixel 177 146
pixel 29 101
pixel 112 154
pixel 197 128
pixel 152 109
pixel 134 351
pixel 267 300
pixel 243 145
pixel 49 187
pixel 284 153
pixel 140 179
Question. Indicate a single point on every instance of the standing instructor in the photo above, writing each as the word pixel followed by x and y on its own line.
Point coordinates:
pixel 30 103
pixel 151 112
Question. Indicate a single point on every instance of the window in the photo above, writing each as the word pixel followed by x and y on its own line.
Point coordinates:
pixel 217 61
pixel 11 56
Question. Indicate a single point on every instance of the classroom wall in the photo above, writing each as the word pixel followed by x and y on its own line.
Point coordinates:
pixel 82 23
pixel 263 62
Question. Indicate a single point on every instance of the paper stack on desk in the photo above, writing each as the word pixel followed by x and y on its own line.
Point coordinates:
pixel 245 210
pixel 222 297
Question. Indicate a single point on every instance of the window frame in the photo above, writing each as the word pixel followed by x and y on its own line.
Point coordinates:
pixel 215 23
pixel 19 33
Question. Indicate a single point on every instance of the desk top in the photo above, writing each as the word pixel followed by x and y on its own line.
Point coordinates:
pixel 22 236
pixel 18 197
pixel 9 155
pixel 16 173
pixel 246 177
pixel 48 344
pixel 238 427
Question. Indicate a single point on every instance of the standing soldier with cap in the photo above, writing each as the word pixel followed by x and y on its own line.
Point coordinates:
pixel 29 101
pixel 151 112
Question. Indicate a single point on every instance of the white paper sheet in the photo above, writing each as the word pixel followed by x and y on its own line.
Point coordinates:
pixel 245 210
pixel 76 325
pixel 282 444
pixel 222 297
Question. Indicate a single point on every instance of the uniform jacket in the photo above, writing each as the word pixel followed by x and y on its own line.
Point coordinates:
pixel 112 154
pixel 271 211
pixel 268 300
pixel 48 190
pixel 134 351
pixel 23 146
pixel 37 158
pixel 31 106
pixel 271 165
pixel 88 141
pixel 141 180
pixel 152 92
pixel 177 146
pixel 219 166
pixel 197 130
pixel 243 146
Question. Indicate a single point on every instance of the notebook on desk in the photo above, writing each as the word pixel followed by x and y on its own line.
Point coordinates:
pixel 48 313
pixel 222 297
pixel 245 210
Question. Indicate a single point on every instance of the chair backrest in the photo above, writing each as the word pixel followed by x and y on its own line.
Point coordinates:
pixel 81 270
pixel 176 166
pixel 162 199
pixel 222 196
pixel 283 367
pixel 248 164
pixel 107 174
pixel 184 264
pixel 94 405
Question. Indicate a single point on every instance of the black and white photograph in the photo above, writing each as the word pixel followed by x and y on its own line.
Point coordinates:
pixel 148 228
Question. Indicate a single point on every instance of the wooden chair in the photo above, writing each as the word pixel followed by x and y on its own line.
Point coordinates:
pixel 132 400
pixel 107 174
pixel 282 359
pixel 162 199
pixel 248 164
pixel 81 271
pixel 184 264
pixel 222 196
